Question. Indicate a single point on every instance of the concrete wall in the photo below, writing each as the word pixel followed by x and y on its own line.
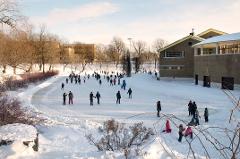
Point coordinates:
pixel 187 62
pixel 218 66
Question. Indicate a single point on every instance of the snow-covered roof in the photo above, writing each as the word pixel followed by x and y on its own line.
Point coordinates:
pixel 221 38
pixel 181 40
pixel 211 30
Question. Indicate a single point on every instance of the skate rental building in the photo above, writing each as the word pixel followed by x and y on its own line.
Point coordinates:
pixel 211 56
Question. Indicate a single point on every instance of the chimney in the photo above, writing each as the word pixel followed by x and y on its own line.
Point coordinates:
pixel 192 33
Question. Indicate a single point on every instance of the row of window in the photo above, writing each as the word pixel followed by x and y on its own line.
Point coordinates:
pixel 222 49
pixel 173 54
pixel 170 67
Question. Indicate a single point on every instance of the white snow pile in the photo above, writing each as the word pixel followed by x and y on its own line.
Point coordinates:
pixel 17 132
pixel 16 135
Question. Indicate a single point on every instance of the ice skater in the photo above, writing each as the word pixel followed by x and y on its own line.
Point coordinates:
pixel 91 98
pixel 118 95
pixel 64 98
pixel 159 108
pixel 129 92
pixel 70 98
pixel 98 96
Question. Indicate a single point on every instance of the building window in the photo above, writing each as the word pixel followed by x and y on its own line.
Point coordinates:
pixel 209 51
pixel 189 43
pixel 174 55
pixel 171 67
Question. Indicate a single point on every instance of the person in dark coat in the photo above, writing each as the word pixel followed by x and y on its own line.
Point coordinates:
pixel 197 116
pixel 159 108
pixel 129 92
pixel 98 96
pixel 100 82
pixel 67 80
pixel 70 98
pixel 194 108
pixel 91 98
pixel 111 82
pixel 62 85
pixel 190 106
pixel 64 98
pixel 124 84
pixel 180 132
pixel 118 95
pixel 206 115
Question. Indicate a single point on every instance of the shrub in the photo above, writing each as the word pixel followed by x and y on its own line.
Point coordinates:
pixel 116 137
pixel 12 112
pixel 12 85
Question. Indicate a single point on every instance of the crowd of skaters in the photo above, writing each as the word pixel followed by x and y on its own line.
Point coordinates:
pixel 110 77
pixel 115 79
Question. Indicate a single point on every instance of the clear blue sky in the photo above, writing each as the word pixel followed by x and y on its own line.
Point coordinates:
pixel 97 21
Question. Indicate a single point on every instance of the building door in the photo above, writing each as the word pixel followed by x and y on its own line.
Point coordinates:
pixel 206 81
pixel 196 79
pixel 228 83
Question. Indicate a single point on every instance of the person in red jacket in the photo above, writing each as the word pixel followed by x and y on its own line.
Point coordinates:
pixel 168 127
pixel 189 132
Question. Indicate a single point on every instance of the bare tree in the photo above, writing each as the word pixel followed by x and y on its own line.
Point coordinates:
pixel 3 50
pixel 101 55
pixel 140 48
pixel 8 12
pixel 159 44
pixel 46 48
pixel 118 48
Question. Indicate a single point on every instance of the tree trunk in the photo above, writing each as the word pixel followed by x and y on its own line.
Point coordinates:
pixel 4 68
pixel 14 70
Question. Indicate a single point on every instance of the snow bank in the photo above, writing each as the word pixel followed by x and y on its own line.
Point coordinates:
pixel 17 132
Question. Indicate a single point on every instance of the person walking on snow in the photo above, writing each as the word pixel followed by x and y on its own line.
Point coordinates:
pixel 129 92
pixel 190 105
pixel 64 98
pixel 124 84
pixel 159 108
pixel 194 108
pixel 98 96
pixel 118 95
pixel 91 98
pixel 180 132
pixel 206 115
pixel 67 80
pixel 197 117
pixel 62 85
pixel 70 98
pixel 111 82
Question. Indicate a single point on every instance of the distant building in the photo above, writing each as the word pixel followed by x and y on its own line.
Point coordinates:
pixel 177 59
pixel 86 51
pixel 217 59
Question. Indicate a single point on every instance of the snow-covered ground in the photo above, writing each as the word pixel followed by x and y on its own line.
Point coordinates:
pixel 64 135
